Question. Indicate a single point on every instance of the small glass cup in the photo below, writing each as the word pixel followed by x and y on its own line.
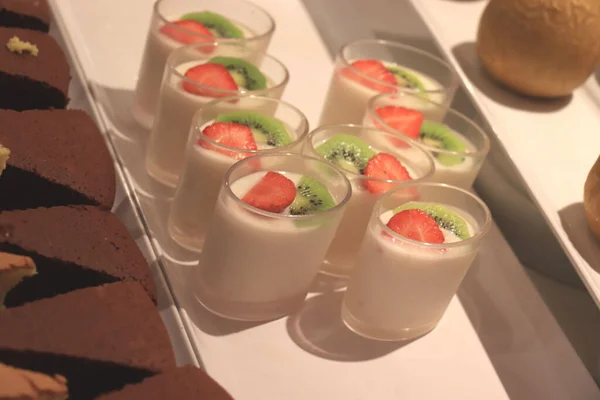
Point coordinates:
pixel 258 265
pixel 343 251
pixel 176 108
pixel 458 168
pixel 350 88
pixel 400 287
pixel 256 24
pixel 204 169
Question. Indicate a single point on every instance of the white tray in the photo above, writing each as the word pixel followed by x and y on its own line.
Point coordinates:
pixel 127 211
pixel 497 341
pixel 552 144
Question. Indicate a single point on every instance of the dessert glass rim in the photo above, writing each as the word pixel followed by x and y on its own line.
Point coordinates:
pixel 197 127
pixel 254 38
pixel 481 151
pixel 479 234
pixel 356 175
pixel 445 88
pixel 265 56
pixel 227 185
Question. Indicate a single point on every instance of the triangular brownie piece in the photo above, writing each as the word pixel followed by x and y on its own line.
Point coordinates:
pixel 73 247
pixel 34 72
pixel 100 339
pixel 57 157
pixel 22 384
pixel 185 383
pixel 26 14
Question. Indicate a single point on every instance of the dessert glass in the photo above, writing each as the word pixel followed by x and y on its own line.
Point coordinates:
pixel 346 99
pixel 258 265
pixel 258 27
pixel 477 142
pixel 204 169
pixel 176 107
pixel 344 248
pixel 400 288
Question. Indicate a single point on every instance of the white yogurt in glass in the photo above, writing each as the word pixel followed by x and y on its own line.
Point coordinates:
pixel 347 99
pixel 166 146
pixel 257 266
pixel 198 190
pixel 400 289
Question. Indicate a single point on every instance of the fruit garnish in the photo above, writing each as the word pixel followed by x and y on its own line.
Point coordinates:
pixel 346 151
pixel 213 75
pixel 440 136
pixel 376 70
pixel 245 74
pixel 384 166
pixel 444 217
pixel 231 135
pixel 404 120
pixel 416 225
pixel 267 130
pixel 216 23
pixel 312 196
pixel 273 193
pixel 201 34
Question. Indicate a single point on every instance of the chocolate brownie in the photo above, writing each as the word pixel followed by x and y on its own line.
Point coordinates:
pixel 73 247
pixel 21 384
pixel 185 383
pixel 26 14
pixel 57 157
pixel 35 76
pixel 100 339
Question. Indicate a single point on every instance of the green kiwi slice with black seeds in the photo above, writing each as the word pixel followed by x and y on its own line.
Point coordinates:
pixel 216 23
pixel 244 73
pixel 444 217
pixel 266 130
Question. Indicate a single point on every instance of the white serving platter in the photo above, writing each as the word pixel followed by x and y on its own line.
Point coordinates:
pixel 497 340
pixel 553 144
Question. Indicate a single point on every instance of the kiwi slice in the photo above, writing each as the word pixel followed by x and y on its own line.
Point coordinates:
pixel 266 130
pixel 438 135
pixel 347 151
pixel 312 197
pixel 245 74
pixel 408 80
pixel 445 218
pixel 216 23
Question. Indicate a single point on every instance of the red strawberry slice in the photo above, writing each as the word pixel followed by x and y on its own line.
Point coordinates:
pixel 213 75
pixel 376 70
pixel 404 120
pixel 384 166
pixel 416 225
pixel 229 134
pixel 198 33
pixel 273 193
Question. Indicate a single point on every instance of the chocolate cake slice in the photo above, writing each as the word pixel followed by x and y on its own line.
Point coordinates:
pixel 57 157
pixel 73 247
pixel 100 339
pixel 185 383
pixel 13 269
pixel 26 14
pixel 34 73
pixel 22 384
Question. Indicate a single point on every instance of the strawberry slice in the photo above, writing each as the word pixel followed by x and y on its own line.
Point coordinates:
pixel 376 70
pixel 231 135
pixel 213 75
pixel 198 33
pixel 273 193
pixel 384 166
pixel 416 225
pixel 404 120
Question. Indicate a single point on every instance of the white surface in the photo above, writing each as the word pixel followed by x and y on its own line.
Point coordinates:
pixel 498 342
pixel 553 144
